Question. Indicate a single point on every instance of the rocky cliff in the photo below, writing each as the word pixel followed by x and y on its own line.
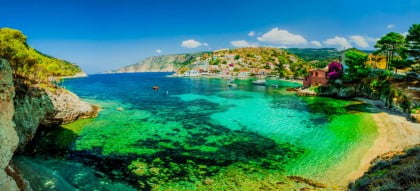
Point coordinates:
pixel 165 63
pixel 8 136
pixel 35 106
pixel 24 107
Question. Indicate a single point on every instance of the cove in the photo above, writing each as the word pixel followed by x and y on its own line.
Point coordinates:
pixel 199 134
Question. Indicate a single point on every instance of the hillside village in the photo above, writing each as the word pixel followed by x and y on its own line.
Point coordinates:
pixel 246 62
pixel 265 62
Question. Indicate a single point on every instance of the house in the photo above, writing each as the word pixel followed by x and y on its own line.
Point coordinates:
pixel 316 77
pixel 243 74
pixel 191 73
pixel 376 61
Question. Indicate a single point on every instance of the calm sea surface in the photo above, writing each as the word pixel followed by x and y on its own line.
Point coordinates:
pixel 197 133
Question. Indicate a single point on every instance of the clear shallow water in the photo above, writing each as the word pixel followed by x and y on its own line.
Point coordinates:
pixel 197 133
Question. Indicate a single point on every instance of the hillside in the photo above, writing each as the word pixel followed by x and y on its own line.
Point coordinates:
pixel 310 54
pixel 244 62
pixel 164 63
pixel 27 61
pixel 235 62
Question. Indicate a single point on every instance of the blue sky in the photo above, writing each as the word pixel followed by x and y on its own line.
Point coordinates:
pixel 100 35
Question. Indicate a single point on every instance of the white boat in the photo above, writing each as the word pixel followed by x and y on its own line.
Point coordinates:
pixel 232 85
pixel 259 82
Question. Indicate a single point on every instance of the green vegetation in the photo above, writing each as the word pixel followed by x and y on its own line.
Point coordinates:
pixel 311 54
pixel 27 61
pixel 357 68
pixel 391 44
pixel 413 45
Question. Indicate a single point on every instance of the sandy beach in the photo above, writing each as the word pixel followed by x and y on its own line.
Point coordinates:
pixel 395 133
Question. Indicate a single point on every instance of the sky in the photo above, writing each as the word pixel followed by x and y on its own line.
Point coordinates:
pixel 100 35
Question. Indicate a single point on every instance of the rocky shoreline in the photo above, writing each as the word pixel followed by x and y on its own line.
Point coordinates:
pixel 24 108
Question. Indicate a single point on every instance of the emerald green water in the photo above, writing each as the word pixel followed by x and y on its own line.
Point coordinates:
pixel 199 134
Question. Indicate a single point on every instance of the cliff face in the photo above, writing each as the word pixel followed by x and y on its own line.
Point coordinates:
pixel 8 136
pixel 24 107
pixel 166 63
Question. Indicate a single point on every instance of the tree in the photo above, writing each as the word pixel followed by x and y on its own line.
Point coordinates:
pixel 390 44
pixel 413 42
pixel 281 70
pixel 356 62
pixel 401 64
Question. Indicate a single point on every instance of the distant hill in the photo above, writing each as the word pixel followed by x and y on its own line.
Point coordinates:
pixel 240 59
pixel 310 54
pixel 232 62
pixel 164 63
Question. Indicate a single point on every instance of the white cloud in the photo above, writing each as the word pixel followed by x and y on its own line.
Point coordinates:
pixel 158 51
pixel 359 41
pixel 370 39
pixel 316 43
pixel 405 34
pixel 279 36
pixel 341 42
pixel 191 43
pixel 251 33
pixel 242 43
pixel 390 26
pixel 205 44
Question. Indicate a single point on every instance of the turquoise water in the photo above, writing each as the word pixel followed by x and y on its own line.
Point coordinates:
pixel 197 133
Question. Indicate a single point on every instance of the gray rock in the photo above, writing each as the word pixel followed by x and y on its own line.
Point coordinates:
pixel 347 92
pixel 8 136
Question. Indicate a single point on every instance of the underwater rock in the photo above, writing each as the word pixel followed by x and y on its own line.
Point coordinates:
pixel 309 182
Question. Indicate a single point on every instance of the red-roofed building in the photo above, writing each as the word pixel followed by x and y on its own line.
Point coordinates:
pixel 316 77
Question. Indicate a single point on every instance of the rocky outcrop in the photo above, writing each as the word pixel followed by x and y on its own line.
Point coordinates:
pixel 24 106
pixel 392 171
pixel 77 75
pixel 67 108
pixel 8 136
pixel 35 106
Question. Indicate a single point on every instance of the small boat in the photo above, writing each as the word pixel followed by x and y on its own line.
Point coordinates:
pixel 232 85
pixel 259 82
pixel 155 87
